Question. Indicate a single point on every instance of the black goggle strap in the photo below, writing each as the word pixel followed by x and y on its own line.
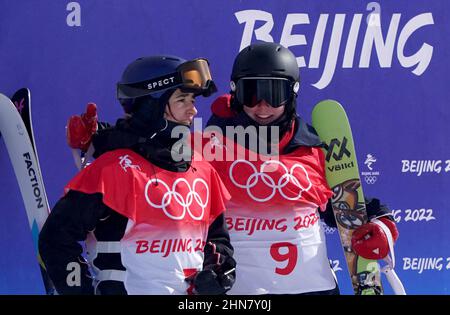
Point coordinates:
pixel 276 91
pixel 147 87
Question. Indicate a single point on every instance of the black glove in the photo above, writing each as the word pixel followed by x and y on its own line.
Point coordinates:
pixel 214 279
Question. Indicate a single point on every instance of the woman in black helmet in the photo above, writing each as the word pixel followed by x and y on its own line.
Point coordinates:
pixel 152 225
pixel 273 215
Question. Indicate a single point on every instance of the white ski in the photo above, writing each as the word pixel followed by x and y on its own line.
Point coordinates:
pixel 26 169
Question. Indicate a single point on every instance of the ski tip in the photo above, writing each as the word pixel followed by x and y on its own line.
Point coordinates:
pixel 328 102
pixel 20 93
pixel 328 105
pixel 327 111
pixel 23 90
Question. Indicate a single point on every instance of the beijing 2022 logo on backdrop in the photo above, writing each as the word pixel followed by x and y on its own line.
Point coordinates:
pixel 370 176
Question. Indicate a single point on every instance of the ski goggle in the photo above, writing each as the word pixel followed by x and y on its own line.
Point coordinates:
pixel 275 91
pixel 192 77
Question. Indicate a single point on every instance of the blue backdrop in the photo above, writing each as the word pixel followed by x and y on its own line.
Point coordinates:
pixel 390 73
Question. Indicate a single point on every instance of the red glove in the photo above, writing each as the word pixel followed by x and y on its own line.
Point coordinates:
pixel 371 242
pixel 79 129
pixel 222 107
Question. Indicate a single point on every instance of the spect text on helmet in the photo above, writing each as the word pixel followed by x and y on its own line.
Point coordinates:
pixel 161 83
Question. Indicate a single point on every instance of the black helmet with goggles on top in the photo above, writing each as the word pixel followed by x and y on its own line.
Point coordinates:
pixel 153 76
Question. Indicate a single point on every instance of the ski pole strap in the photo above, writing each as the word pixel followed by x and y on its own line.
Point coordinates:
pixel 88 156
pixel 76 158
pixel 82 162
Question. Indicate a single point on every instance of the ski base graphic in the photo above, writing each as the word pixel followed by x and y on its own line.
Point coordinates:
pixel 332 125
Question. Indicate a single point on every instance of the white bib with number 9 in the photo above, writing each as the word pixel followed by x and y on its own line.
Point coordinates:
pixel 279 251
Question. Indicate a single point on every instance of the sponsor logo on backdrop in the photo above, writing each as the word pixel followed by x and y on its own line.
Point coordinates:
pixel 370 176
pixel 420 167
pixel 383 34
pixel 413 215
pixel 423 264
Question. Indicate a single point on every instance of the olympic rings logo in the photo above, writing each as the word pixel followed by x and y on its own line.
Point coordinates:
pixel 370 179
pixel 172 195
pixel 286 178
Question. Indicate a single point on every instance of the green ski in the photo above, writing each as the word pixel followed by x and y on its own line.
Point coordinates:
pixel 332 125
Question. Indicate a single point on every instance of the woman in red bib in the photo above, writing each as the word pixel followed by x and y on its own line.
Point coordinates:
pixel 279 196
pixel 152 225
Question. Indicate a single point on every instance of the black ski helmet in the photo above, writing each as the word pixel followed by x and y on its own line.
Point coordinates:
pixel 156 76
pixel 265 60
